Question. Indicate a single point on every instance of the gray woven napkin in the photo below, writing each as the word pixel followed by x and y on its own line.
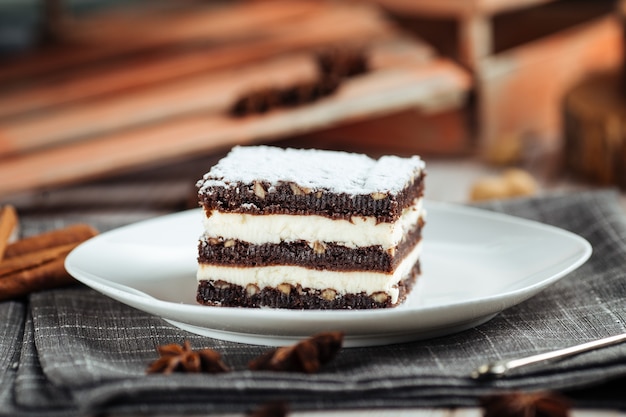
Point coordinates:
pixel 80 352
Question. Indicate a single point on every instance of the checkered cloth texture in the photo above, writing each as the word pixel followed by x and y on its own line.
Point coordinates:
pixel 73 351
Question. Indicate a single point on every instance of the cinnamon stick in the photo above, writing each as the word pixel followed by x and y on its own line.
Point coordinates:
pixel 54 239
pixel 38 262
pixel 45 276
pixel 33 260
pixel 8 225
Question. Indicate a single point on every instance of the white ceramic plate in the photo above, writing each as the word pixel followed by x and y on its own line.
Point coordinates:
pixel 475 264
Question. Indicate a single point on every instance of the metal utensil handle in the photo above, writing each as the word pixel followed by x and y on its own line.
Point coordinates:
pixel 499 368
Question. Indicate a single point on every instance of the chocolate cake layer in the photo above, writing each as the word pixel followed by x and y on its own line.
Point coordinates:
pixel 219 251
pixel 220 293
pixel 289 198
pixel 339 185
pixel 309 229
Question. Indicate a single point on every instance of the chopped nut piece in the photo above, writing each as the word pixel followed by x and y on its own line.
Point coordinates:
pixel 380 297
pixel 520 404
pixel 251 290
pixel 378 195
pixel 319 247
pixel 297 190
pixel 177 358
pixel 229 243
pixel 222 285
pixel 329 294
pixel 306 356
pixel 285 288
pixel 259 191
pixel 213 241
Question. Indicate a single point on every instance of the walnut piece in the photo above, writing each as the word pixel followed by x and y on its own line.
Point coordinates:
pixel 378 195
pixel 299 190
pixel 285 288
pixel 319 247
pixel 329 294
pixel 259 191
pixel 512 183
pixel 251 290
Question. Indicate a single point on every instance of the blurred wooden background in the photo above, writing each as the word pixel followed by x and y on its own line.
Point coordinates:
pixel 126 88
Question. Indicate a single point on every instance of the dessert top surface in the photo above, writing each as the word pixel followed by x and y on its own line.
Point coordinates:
pixel 334 171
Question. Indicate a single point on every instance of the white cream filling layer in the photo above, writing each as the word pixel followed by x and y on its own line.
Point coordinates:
pixel 276 228
pixel 352 282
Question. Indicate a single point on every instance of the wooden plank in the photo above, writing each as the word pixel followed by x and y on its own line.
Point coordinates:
pixel 519 91
pixel 304 33
pixel 408 132
pixel 207 94
pixel 456 8
pixel 371 95
pixel 216 22
pixel 92 41
pixel 471 30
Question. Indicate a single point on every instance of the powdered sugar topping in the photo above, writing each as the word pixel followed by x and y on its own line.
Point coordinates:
pixel 334 171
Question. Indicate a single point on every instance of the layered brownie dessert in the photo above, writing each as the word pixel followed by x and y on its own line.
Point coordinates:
pixel 309 229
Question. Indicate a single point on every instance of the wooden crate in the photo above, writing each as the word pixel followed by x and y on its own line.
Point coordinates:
pixel 446 132
pixel 473 32
pixel 523 55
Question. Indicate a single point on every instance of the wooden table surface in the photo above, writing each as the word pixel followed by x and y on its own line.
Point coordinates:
pixel 449 180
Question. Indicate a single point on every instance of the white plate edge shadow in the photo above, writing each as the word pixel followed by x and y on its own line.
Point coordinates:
pixel 362 328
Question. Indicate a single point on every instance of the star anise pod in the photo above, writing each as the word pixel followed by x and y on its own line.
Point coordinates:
pixel 181 358
pixel 272 409
pixel 342 62
pixel 521 404
pixel 306 356
pixel 255 102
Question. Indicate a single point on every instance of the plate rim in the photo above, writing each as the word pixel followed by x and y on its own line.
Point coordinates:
pixel 507 299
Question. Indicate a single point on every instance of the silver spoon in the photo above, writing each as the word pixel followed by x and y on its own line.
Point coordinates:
pixel 500 368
